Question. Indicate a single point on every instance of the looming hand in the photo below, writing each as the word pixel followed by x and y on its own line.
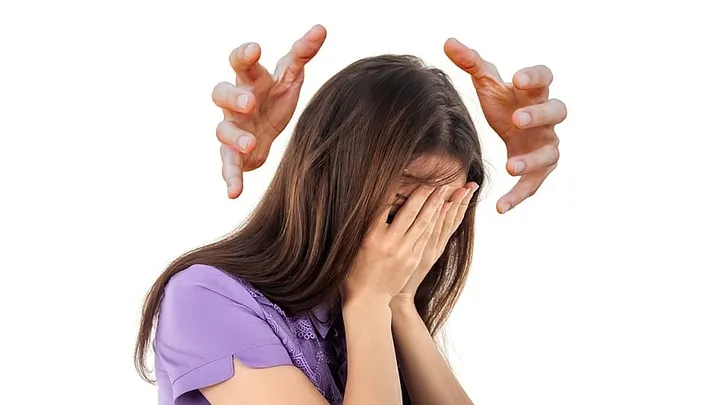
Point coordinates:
pixel 259 106
pixel 521 114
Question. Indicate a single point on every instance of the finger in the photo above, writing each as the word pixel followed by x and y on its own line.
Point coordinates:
pixel 460 214
pixel 409 212
pixel 453 223
pixel 302 51
pixel 437 231
pixel 540 159
pixel 470 61
pixel 421 240
pixel 424 222
pixel 238 139
pixel 526 187
pixel 533 78
pixel 455 202
pixel 244 61
pixel 232 162
pixel 551 112
pixel 234 98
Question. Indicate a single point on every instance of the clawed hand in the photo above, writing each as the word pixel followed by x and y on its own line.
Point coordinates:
pixel 258 107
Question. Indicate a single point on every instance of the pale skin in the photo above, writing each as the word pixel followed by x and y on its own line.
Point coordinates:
pixel 427 375
pixel 378 315
pixel 378 306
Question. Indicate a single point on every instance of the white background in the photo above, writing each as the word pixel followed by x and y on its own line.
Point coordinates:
pixel 604 288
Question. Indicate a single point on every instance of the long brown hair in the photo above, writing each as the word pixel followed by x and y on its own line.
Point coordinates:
pixel 349 148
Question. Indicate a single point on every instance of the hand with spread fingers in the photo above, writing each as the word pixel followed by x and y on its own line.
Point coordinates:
pixel 259 106
pixel 521 114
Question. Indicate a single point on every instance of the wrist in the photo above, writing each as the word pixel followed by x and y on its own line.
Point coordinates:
pixel 402 305
pixel 366 303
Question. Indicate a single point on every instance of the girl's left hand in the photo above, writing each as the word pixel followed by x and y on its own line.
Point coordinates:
pixel 451 216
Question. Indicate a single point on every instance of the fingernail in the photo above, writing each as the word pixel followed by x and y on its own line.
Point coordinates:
pixel 519 166
pixel 248 50
pixel 242 101
pixel 243 142
pixel 523 79
pixel 523 118
pixel 505 207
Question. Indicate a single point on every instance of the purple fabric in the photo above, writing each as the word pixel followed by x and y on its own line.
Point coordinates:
pixel 207 317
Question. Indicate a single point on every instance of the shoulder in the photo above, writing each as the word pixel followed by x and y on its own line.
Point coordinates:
pixel 202 283
pixel 208 318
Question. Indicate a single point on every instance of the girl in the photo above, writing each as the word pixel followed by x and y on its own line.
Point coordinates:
pixel 333 288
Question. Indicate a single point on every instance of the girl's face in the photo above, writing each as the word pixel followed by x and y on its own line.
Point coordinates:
pixel 421 167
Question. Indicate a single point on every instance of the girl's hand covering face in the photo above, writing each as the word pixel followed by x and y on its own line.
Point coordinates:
pixel 391 253
pixel 451 217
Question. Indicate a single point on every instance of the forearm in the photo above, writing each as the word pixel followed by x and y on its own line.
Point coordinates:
pixel 372 367
pixel 427 375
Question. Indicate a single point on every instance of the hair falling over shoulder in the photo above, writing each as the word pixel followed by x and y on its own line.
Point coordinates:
pixel 348 150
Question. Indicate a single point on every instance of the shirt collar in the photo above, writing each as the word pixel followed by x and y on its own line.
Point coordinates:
pixel 321 320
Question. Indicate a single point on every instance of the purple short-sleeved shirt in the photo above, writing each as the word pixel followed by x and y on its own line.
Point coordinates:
pixel 208 317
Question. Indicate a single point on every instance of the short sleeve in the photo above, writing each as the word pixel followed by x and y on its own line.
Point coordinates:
pixel 206 318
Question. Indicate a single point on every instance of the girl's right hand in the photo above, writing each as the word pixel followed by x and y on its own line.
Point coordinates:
pixel 391 252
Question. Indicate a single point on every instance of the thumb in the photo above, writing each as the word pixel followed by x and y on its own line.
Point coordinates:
pixel 302 51
pixel 470 61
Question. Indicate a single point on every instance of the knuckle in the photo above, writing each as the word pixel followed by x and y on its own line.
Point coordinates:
pixel 226 173
pixel 410 259
pixel 492 66
pixel 219 90
pixel 554 155
pixel 235 55
pixel 537 113
pixel 422 222
pixel 296 46
pixel 563 108
pixel 221 131
pixel 377 243
pixel 255 161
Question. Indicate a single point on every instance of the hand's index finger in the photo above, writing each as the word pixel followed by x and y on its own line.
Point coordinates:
pixel 406 216
pixel 244 61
